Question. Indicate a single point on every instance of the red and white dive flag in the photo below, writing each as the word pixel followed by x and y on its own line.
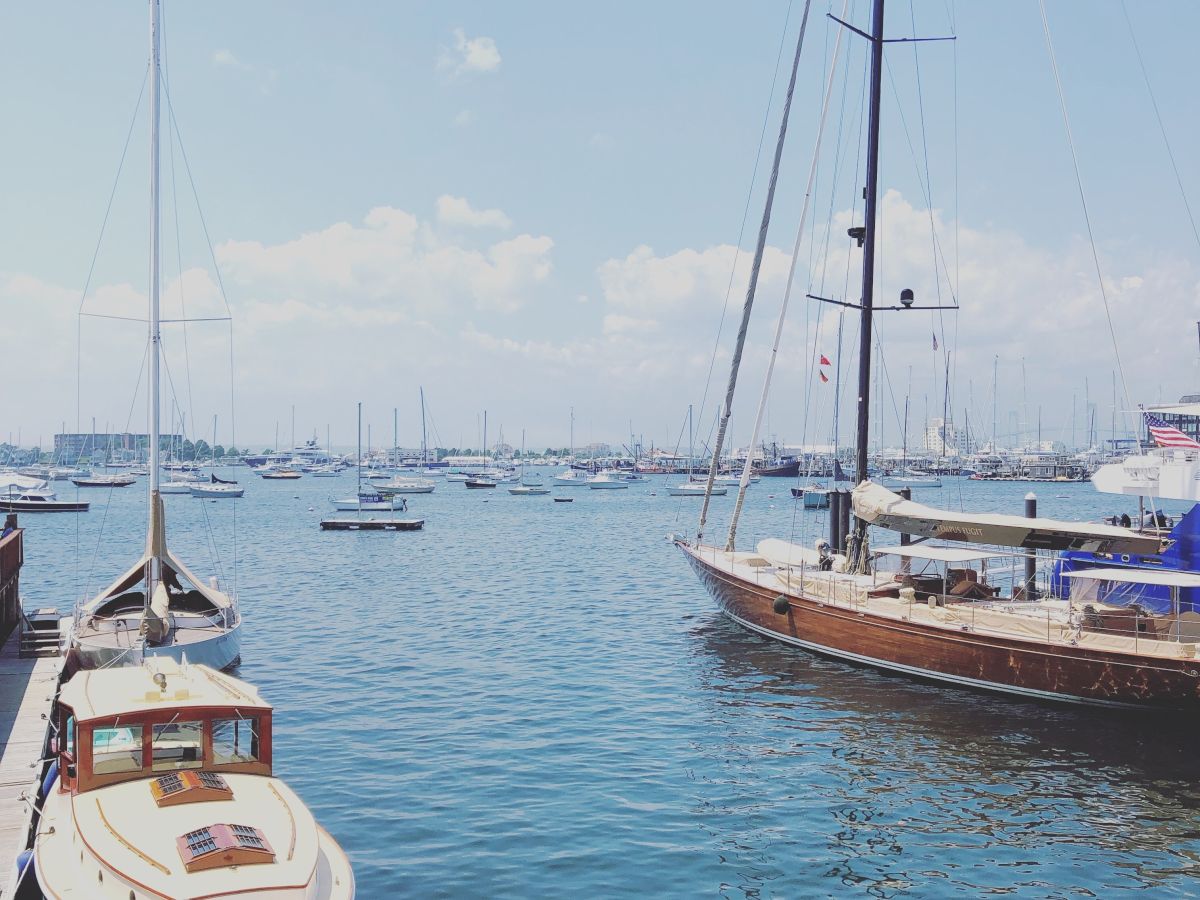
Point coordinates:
pixel 825 361
pixel 1168 435
pixel 824 378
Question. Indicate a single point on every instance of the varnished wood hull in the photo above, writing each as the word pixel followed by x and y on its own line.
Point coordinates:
pixel 1042 670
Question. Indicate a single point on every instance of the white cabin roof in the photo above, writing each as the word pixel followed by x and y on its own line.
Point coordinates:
pixel 104 693
pixel 943 554
pixel 1159 577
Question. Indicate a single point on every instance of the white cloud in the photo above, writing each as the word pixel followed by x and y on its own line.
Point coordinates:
pixel 469 55
pixel 265 77
pixel 369 308
pixel 393 259
pixel 618 324
pixel 457 211
pixel 226 58
pixel 688 280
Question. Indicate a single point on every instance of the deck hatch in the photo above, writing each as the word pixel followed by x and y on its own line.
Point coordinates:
pixel 222 845
pixel 189 787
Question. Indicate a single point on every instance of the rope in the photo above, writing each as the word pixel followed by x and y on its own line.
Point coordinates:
pixel 1062 102
pixel 752 287
pixel 81 587
pixel 737 250
pixel 1161 127
pixel 744 483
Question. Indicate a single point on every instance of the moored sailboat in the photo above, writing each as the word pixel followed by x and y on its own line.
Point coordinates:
pixel 157 607
pixel 1081 640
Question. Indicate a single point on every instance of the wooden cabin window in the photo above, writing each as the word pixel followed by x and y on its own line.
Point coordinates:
pixel 235 740
pixel 69 739
pixel 178 745
pixel 116 749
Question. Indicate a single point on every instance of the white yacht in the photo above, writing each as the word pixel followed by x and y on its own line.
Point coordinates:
pixel 571 478
pixel 607 480
pixel 163 786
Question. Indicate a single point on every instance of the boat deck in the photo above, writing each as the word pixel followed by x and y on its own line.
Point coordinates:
pixel 1045 621
pixel 27 689
pixel 125 632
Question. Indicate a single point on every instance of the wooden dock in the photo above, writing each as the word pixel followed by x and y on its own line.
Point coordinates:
pixel 27 689
pixel 349 524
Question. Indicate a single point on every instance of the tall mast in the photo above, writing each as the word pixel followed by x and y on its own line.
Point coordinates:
pixel 424 444
pixel 395 436
pixel 155 335
pixel 871 192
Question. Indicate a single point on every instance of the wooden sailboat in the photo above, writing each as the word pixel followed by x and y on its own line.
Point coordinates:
pixel 157 607
pixel 952 625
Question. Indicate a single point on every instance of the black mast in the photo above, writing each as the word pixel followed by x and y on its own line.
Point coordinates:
pixel 870 193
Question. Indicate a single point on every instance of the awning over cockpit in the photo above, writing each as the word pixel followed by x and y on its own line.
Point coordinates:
pixel 879 506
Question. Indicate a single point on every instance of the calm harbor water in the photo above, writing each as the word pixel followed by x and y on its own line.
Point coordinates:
pixel 532 698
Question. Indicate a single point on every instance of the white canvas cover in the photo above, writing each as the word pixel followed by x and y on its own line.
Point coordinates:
pixel 879 506
pixel 156 548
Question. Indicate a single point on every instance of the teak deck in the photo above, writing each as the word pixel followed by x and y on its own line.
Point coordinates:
pixel 27 688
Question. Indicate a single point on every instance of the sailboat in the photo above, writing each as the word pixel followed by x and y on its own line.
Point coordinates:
pixel 692 488
pixel 368 500
pixel 216 488
pixel 572 477
pixel 484 479
pixel 407 484
pixel 157 607
pixel 941 615
pixel 524 488
pixel 92 480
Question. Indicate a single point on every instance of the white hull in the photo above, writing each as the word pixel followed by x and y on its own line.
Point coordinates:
pixel 694 490
pixel 217 490
pixel 221 651
pixel 370 506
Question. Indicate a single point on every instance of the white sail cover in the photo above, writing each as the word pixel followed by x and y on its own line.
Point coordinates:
pixel 156 548
pixel 879 506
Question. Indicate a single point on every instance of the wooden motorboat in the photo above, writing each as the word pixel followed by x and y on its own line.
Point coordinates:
pixel 163 786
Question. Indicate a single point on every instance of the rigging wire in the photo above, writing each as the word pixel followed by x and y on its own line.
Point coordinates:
pixel 80 588
pixel 752 286
pixel 1062 102
pixel 787 293
pixel 737 250
pixel 1162 128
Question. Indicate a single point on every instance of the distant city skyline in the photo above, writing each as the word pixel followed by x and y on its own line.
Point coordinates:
pixel 522 217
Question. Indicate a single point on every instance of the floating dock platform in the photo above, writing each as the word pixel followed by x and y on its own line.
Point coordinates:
pixel 349 524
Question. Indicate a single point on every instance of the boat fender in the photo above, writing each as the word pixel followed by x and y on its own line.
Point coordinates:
pixel 20 866
pixel 48 781
pixel 781 605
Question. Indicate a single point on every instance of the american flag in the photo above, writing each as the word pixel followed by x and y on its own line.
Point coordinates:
pixel 1168 435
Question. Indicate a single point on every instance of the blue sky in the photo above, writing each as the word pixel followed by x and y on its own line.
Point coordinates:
pixel 556 192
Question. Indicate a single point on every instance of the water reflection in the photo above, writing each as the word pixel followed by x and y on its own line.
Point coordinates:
pixel 830 771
